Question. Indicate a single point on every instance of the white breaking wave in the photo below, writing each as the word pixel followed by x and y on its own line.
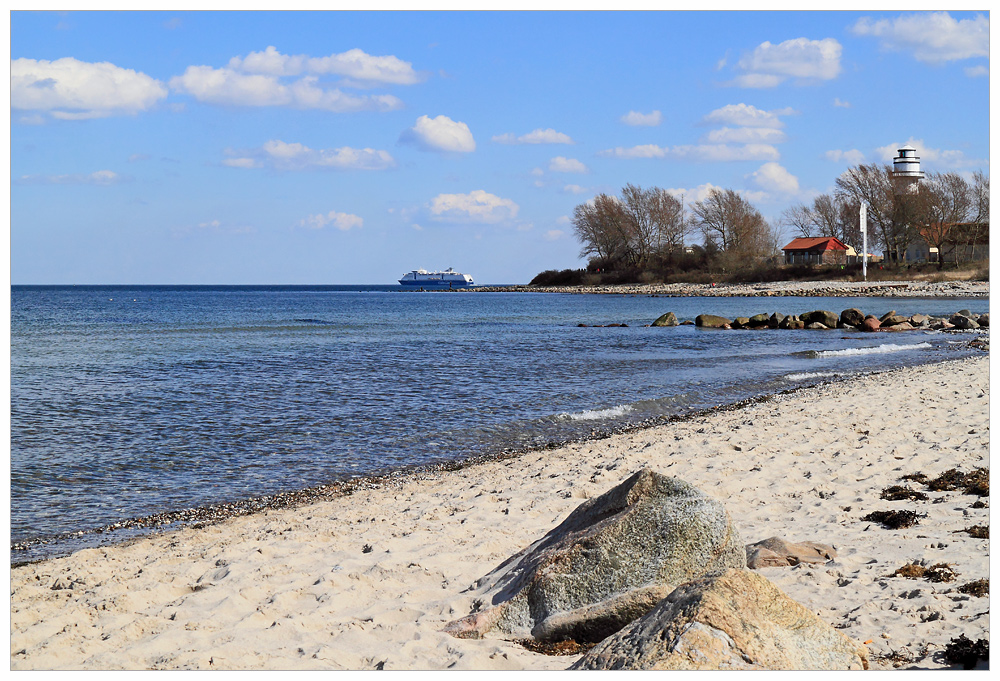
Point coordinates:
pixel 809 376
pixel 595 414
pixel 877 350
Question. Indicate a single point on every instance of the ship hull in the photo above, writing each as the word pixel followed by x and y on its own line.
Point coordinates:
pixel 435 283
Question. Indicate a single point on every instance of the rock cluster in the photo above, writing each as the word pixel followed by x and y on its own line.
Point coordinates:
pixel 851 318
pixel 734 619
pixel 608 563
pixel 653 571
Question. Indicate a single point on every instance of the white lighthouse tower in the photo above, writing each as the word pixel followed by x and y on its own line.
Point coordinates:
pixel 906 173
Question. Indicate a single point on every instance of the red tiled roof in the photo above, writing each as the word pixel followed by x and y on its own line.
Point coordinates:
pixel 815 243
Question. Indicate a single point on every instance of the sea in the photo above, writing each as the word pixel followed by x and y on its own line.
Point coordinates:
pixel 131 401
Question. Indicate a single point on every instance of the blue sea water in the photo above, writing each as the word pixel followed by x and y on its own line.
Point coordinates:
pixel 130 401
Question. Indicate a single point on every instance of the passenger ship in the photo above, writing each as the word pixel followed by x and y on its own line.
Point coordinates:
pixel 449 278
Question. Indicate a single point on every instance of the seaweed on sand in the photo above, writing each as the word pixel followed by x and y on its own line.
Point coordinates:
pixel 977 531
pixel 978 588
pixel 898 492
pixel 939 572
pixel 893 520
pixel 567 647
pixel 963 651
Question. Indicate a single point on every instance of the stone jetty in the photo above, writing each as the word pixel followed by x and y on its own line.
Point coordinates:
pixel 851 318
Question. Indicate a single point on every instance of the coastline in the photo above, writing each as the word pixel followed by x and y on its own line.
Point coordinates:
pixel 849 289
pixel 371 576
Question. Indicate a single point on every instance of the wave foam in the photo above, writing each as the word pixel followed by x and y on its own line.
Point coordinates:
pixel 595 414
pixel 876 350
pixel 809 376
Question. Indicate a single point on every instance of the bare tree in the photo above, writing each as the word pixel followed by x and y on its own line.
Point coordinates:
pixel 600 227
pixel 731 223
pixel 891 216
pixel 800 219
pixel 667 215
pixel 944 201
pixel 637 205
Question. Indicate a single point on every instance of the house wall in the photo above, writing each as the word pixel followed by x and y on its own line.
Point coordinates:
pixel 829 257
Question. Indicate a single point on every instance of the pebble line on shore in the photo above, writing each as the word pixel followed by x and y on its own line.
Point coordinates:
pixel 854 289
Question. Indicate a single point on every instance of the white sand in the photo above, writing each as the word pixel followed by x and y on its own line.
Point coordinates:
pixel 294 589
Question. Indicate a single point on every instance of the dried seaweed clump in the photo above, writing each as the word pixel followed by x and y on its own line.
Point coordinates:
pixel 978 482
pixel 916 477
pixel 978 588
pixel 898 492
pixel 939 572
pixel 567 647
pixel 963 651
pixel 977 531
pixel 893 520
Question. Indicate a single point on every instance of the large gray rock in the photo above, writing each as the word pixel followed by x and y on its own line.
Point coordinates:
pixel 984 320
pixel 824 317
pixel 735 619
pixel 711 321
pixel 960 321
pixel 608 563
pixel 668 319
pixel 894 320
pixel 852 316
pixel 776 552
pixel 774 321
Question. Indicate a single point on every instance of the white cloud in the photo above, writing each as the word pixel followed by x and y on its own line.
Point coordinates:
pixel 932 37
pixel 725 152
pixel 554 234
pixel 563 220
pixel 651 119
pixel 640 151
pixel 477 206
pixel 362 68
pixel 71 89
pixel 230 87
pixel 574 189
pixel 806 60
pixel 698 152
pixel 774 178
pixel 851 156
pixel 699 193
pixel 844 105
pixel 561 164
pixel 342 221
pixel 539 136
pixel 977 71
pixel 537 172
pixel 242 163
pixel 746 136
pixel 747 115
pixel 944 158
pixel 439 134
pixel 294 156
pixel 100 177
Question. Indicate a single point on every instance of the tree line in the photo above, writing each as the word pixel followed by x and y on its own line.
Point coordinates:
pixel 648 228
pixel 945 210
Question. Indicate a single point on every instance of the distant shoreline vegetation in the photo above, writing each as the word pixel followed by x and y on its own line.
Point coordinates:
pixel 644 236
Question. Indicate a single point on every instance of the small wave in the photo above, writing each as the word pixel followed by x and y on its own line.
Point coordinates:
pixel 876 350
pixel 809 376
pixel 595 414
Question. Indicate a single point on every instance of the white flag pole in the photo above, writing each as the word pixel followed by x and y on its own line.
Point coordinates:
pixel 864 240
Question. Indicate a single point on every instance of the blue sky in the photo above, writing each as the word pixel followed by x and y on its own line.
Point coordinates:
pixel 339 147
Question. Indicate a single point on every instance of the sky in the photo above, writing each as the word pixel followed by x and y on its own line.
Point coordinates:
pixel 353 147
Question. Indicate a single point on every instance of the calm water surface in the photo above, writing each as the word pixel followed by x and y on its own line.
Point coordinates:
pixel 129 401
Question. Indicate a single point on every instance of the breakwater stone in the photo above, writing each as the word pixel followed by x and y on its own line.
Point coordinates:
pixel 610 562
pixel 668 319
pixel 711 321
pixel 735 619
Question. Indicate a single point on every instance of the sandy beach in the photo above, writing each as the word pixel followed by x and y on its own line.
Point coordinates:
pixel 368 580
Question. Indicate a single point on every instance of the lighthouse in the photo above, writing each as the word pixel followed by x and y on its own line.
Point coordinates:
pixel 906 173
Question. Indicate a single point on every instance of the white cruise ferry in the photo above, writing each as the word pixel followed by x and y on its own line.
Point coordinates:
pixel 449 278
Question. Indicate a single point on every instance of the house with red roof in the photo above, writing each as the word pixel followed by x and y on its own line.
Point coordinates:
pixel 816 250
